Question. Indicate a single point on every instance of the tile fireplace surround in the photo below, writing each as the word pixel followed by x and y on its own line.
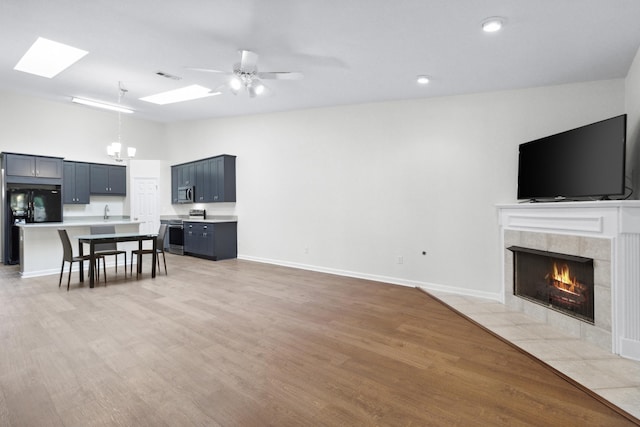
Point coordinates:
pixel 608 232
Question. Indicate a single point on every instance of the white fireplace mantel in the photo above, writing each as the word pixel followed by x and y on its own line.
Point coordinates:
pixel 618 221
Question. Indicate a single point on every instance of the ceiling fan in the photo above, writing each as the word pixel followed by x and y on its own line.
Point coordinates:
pixel 246 76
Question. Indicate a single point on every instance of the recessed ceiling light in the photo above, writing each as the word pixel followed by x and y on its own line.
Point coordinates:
pixel 423 80
pixel 493 24
pixel 179 95
pixel 102 105
pixel 47 58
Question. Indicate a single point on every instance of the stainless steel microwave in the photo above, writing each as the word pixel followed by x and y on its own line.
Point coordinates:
pixel 185 194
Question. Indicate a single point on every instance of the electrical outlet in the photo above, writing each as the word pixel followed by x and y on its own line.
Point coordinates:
pixel 306 250
pixel 400 260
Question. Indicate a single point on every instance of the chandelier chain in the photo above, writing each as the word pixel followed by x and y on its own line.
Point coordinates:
pixel 121 93
pixel 115 150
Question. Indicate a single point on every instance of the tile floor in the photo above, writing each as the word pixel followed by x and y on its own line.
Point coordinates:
pixel 613 377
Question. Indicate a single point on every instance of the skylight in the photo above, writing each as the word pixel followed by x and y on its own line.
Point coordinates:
pixel 187 93
pixel 47 58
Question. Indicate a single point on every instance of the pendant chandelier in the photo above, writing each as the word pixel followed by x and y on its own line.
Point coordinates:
pixel 115 149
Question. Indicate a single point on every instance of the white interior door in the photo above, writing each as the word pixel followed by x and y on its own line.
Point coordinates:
pixel 145 204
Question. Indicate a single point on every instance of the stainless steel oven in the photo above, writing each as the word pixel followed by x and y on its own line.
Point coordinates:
pixel 176 230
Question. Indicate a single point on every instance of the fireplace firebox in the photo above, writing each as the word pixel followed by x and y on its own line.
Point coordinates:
pixel 558 281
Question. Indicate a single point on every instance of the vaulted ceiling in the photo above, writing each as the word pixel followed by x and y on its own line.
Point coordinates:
pixel 350 51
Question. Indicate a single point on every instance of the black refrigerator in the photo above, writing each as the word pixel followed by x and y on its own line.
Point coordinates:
pixel 28 204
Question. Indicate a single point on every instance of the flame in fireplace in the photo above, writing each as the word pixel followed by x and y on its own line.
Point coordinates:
pixel 562 279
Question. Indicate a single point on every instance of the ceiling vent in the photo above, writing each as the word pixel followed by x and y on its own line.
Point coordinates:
pixel 168 76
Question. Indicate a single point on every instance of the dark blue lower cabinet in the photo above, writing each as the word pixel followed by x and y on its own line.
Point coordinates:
pixel 208 240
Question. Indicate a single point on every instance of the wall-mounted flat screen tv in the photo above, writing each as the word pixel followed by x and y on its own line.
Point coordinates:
pixel 586 162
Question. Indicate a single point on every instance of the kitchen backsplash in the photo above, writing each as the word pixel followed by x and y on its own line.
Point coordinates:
pixel 96 207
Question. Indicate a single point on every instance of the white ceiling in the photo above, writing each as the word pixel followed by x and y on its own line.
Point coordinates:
pixel 350 51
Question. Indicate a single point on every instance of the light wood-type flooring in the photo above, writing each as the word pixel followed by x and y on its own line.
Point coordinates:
pixel 238 343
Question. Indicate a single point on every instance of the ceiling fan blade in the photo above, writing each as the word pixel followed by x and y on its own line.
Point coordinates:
pixel 280 75
pixel 206 70
pixel 248 61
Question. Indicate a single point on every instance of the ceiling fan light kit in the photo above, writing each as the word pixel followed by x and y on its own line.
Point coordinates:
pixel 255 88
pixel 235 84
pixel 245 75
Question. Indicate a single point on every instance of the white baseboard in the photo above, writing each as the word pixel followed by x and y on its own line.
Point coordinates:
pixel 377 278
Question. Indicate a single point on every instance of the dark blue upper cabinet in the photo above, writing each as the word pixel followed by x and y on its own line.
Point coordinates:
pixel 213 179
pixel 108 179
pixel 223 172
pixel 28 169
pixel 75 183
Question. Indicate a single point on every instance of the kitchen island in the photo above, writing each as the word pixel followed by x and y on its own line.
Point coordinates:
pixel 41 250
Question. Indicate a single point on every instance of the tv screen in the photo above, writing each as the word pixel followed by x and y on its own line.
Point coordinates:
pixel 588 161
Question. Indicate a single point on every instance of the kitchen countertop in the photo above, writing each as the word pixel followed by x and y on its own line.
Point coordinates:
pixel 81 221
pixel 210 218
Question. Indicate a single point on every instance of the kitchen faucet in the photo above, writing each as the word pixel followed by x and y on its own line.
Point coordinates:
pixel 106 211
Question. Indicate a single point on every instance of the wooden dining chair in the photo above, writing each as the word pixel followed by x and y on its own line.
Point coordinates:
pixel 159 250
pixel 106 249
pixel 67 256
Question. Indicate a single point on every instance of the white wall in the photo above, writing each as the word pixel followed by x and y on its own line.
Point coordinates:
pixel 75 132
pixel 350 189
pixel 632 108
